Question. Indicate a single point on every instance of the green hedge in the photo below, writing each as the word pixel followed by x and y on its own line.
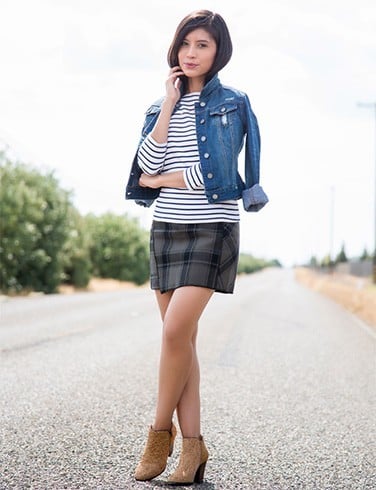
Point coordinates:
pixel 33 229
pixel 119 248
pixel 44 241
pixel 76 252
pixel 248 264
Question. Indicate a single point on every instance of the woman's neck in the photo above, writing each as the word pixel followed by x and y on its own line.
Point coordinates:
pixel 195 85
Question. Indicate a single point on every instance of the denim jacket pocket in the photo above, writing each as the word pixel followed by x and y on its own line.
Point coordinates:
pixel 223 108
pixel 223 111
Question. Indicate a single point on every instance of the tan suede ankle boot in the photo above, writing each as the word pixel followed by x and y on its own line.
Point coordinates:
pixel 159 447
pixel 192 462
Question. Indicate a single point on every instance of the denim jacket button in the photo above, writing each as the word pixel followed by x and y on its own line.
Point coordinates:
pixel 223 109
pixel 206 155
pixel 202 104
pixel 210 175
pixel 202 121
pixel 215 196
pixel 203 138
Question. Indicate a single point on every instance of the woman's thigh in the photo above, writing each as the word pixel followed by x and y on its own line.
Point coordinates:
pixel 163 301
pixel 183 311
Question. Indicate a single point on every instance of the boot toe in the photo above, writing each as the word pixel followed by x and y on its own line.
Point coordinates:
pixel 148 472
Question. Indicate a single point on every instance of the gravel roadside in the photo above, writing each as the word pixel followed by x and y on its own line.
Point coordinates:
pixel 356 294
pixel 288 390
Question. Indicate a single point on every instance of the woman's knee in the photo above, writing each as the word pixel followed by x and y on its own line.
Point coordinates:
pixel 176 333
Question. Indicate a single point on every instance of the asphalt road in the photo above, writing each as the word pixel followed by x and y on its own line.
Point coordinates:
pixel 288 389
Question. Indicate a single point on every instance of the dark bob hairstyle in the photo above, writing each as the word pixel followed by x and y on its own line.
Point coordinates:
pixel 215 26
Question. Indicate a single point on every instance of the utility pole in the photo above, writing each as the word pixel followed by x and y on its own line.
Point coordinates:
pixel 372 105
pixel 331 231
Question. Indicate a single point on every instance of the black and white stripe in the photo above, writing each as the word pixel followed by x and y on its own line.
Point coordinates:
pixel 177 205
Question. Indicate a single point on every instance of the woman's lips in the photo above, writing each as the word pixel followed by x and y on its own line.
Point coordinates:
pixel 190 65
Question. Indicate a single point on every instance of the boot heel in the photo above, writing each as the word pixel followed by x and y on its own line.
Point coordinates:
pixel 172 440
pixel 199 477
pixel 192 462
pixel 171 449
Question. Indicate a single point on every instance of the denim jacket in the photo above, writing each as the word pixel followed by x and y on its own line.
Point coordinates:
pixel 224 119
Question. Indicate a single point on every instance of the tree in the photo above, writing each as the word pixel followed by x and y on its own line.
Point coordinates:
pixel 326 261
pixel 119 248
pixel 76 252
pixel 313 262
pixel 341 257
pixel 248 264
pixel 365 255
pixel 45 241
pixel 34 227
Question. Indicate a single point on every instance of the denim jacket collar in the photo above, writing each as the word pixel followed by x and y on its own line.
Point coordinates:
pixel 209 87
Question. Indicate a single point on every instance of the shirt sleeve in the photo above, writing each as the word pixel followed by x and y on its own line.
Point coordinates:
pixel 193 177
pixel 151 156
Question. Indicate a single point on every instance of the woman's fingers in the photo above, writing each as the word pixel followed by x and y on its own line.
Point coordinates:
pixel 174 74
pixel 176 70
pixel 173 83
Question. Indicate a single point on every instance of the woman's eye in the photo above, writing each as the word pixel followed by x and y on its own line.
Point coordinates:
pixel 202 45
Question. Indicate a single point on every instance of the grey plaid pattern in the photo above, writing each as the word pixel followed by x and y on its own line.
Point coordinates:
pixel 194 254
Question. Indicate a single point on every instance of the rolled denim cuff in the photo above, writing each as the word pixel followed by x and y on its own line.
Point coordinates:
pixel 254 198
pixel 146 203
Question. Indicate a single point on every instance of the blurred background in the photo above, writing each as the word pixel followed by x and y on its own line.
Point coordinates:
pixel 78 75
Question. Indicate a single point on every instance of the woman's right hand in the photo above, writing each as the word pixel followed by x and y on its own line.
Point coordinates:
pixel 173 84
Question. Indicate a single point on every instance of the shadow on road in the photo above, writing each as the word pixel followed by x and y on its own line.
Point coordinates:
pixel 202 486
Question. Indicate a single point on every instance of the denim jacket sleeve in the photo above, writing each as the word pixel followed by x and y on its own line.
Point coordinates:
pixel 253 196
pixel 144 196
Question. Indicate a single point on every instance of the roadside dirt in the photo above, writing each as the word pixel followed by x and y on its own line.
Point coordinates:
pixel 356 294
pixel 99 285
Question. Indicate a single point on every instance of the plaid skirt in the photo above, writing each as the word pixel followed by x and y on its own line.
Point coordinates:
pixel 194 254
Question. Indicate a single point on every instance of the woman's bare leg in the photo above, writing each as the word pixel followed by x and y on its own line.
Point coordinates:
pixel 163 301
pixel 189 408
pixel 181 311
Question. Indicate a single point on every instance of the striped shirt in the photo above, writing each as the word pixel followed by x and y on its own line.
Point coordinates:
pixel 180 152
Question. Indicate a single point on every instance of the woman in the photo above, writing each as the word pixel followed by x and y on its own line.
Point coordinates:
pixel 187 161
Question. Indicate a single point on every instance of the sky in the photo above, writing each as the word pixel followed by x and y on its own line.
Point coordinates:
pixel 78 75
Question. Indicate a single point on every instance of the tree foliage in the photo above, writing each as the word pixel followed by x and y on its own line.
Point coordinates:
pixel 118 248
pixel 34 227
pixel 76 252
pixel 341 257
pixel 44 240
pixel 248 264
pixel 365 255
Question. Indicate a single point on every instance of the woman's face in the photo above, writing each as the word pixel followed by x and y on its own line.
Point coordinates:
pixel 197 53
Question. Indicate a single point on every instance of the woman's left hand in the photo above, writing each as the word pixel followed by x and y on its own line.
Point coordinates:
pixel 149 181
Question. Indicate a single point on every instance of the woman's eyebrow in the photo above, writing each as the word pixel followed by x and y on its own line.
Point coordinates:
pixel 198 40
